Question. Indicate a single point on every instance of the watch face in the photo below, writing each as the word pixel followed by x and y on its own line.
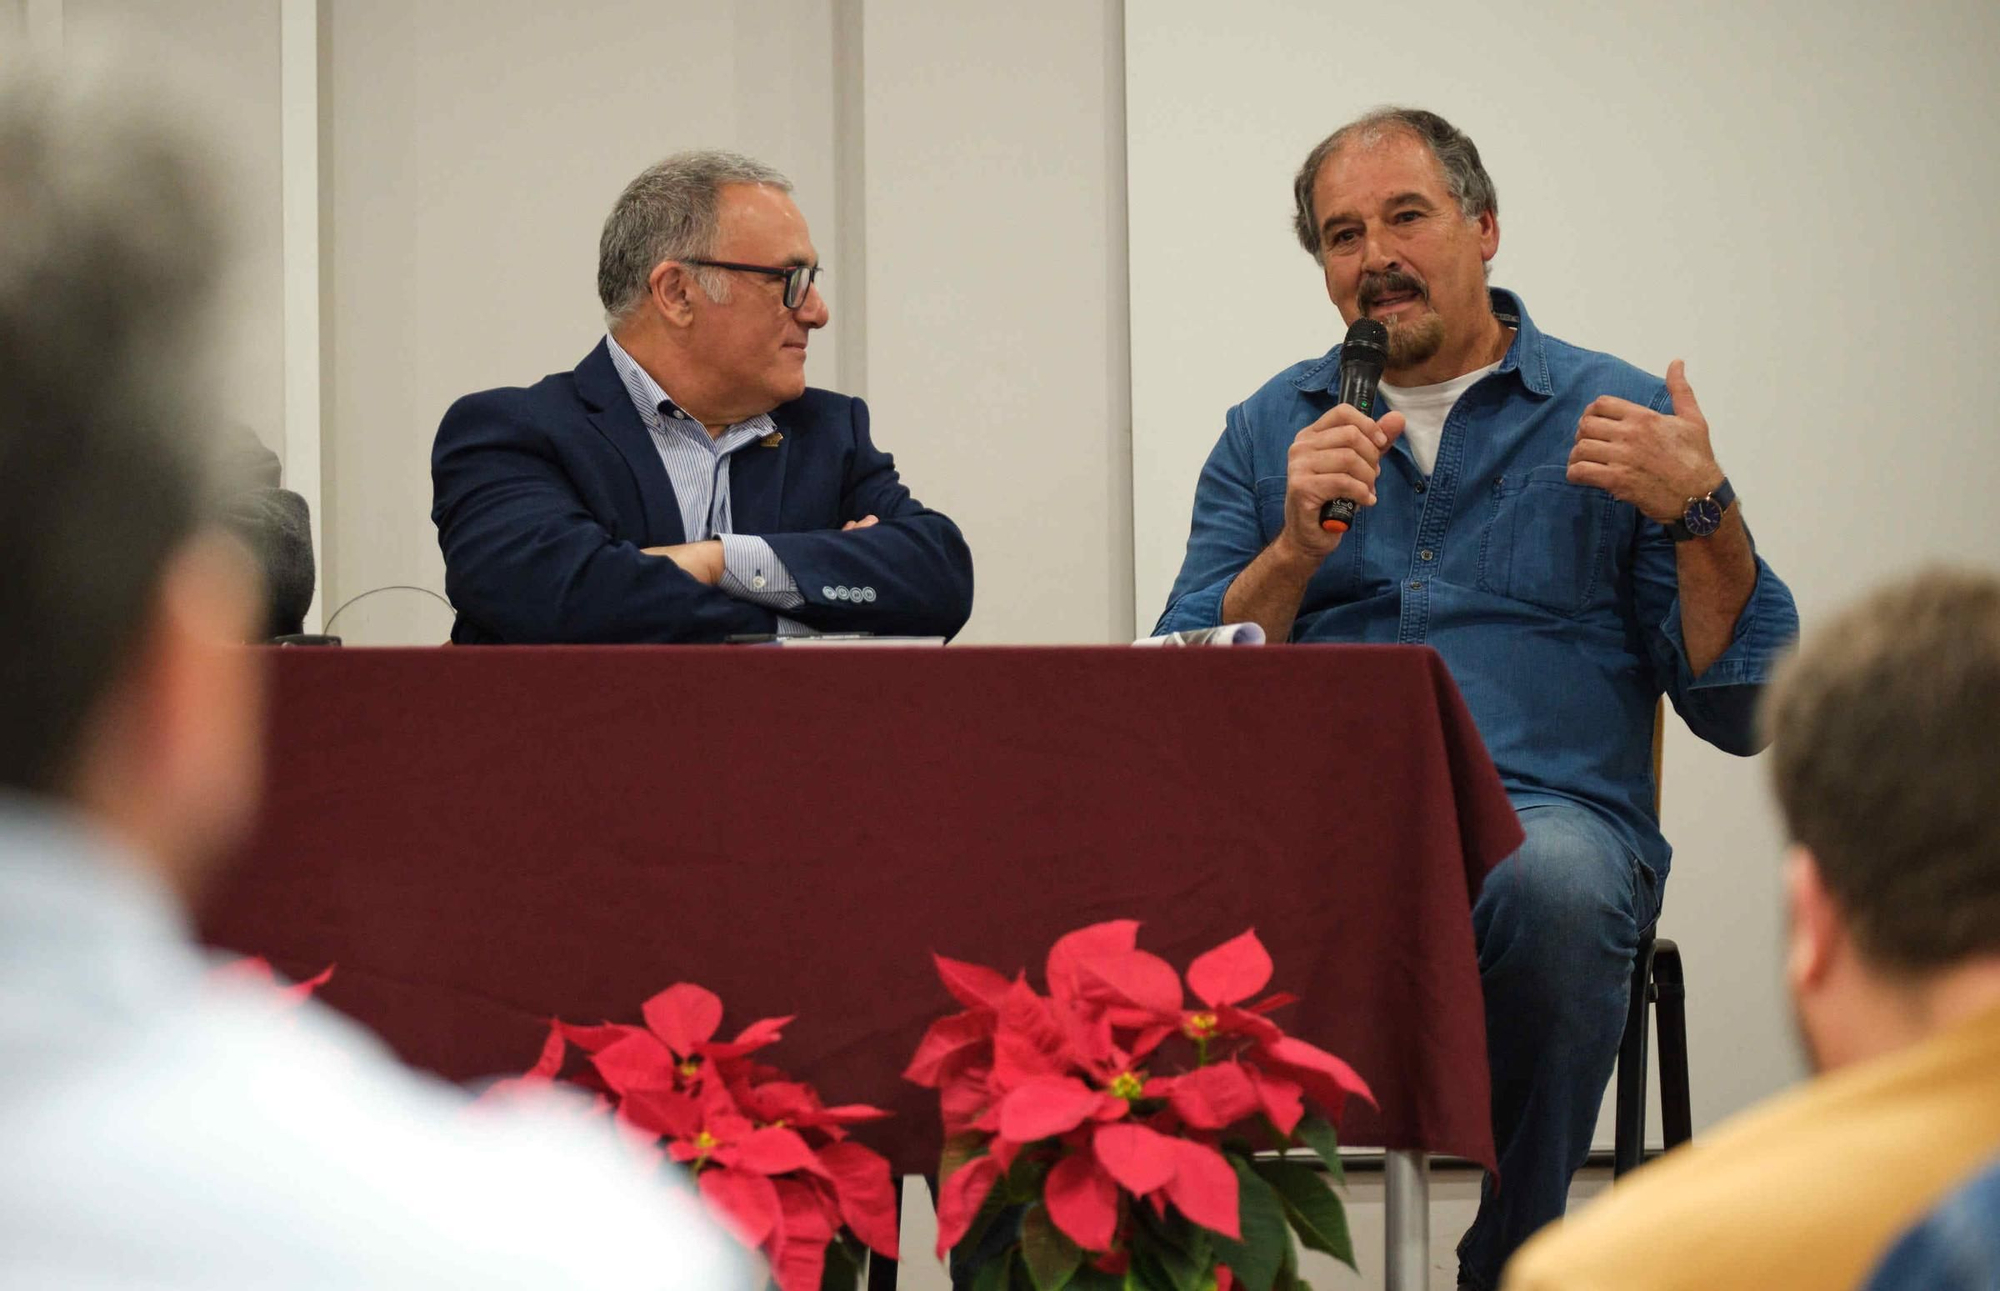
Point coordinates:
pixel 1702 517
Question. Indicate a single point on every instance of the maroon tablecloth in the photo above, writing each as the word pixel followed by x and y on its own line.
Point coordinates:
pixel 481 839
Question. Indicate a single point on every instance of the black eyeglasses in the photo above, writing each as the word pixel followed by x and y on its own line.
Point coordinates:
pixel 799 278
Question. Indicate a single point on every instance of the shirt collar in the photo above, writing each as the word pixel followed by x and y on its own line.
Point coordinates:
pixel 1527 354
pixel 654 405
pixel 648 399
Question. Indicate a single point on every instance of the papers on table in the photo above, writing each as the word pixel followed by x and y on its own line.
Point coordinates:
pixel 1226 634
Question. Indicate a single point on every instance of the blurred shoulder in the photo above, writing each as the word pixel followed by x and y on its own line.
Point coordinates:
pixel 298 1149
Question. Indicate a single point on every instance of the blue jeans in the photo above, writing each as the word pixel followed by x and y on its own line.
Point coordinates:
pixel 1557 926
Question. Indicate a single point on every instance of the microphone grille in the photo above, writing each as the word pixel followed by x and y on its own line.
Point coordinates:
pixel 1367 334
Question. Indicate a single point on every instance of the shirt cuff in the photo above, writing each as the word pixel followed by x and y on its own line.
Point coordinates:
pixel 794 628
pixel 1766 628
pixel 752 572
pixel 1198 609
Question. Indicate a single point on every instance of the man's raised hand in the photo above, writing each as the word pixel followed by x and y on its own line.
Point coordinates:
pixel 1656 461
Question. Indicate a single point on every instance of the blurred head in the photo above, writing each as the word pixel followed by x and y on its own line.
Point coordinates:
pixel 721 341
pixel 1403 218
pixel 126 699
pixel 1884 765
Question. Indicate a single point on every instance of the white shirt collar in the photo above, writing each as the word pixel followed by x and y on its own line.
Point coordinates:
pixel 655 406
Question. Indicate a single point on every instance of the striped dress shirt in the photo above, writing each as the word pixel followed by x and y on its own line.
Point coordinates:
pixel 698 466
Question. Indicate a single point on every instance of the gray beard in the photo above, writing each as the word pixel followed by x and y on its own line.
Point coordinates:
pixel 1416 341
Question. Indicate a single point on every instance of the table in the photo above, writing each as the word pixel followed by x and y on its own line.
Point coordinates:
pixel 483 838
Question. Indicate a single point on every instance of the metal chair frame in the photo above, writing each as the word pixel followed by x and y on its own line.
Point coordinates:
pixel 1657 980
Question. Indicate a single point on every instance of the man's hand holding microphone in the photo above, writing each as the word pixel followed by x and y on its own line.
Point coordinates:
pixel 1330 472
pixel 1337 457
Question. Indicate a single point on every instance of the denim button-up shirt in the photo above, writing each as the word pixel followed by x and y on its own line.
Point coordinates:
pixel 1554 604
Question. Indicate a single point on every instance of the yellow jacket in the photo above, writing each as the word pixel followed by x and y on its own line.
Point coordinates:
pixel 1805 1191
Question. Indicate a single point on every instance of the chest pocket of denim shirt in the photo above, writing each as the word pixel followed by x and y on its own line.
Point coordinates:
pixel 1339 576
pixel 1545 540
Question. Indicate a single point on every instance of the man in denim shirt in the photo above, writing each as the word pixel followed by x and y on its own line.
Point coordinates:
pixel 1553 522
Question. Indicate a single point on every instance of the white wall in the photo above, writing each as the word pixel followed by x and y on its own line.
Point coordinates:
pixel 996 297
pixel 1794 198
pixel 219 59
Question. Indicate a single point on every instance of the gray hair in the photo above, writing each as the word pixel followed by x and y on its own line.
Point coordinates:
pixel 669 213
pixel 1464 174
pixel 108 264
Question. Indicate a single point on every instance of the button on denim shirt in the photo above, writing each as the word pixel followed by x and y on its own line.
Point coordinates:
pixel 1553 604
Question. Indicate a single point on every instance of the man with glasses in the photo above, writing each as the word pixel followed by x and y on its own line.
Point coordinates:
pixel 683 483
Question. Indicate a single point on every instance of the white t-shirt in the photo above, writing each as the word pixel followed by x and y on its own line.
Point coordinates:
pixel 1424 408
pixel 163 1130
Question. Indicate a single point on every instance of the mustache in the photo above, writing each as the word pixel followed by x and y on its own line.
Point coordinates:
pixel 1374 286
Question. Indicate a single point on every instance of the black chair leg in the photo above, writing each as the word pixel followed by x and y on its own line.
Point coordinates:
pixel 1670 1011
pixel 1629 1113
pixel 881 1272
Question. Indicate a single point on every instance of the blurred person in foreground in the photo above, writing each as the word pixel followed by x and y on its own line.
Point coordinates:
pixel 163 1128
pixel 1884 768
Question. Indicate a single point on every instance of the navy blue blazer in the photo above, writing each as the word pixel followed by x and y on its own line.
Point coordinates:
pixel 544 496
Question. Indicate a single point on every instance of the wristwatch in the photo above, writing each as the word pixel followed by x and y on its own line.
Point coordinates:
pixel 1703 516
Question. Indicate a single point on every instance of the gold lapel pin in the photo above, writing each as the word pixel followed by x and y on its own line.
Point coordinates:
pixel 773 439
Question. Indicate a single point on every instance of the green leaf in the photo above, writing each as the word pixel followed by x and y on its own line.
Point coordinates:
pixel 994 1274
pixel 1317 1134
pixel 1200 1247
pixel 1266 1238
pixel 1091 1279
pixel 1145 1271
pixel 1176 1230
pixel 1312 1207
pixel 995 1209
pixel 1052 1258
pixel 1167 1266
pixel 843 1267
pixel 1026 1177
pixel 1288 1272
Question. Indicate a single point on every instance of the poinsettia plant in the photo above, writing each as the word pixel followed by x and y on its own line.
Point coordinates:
pixel 258 970
pixel 770 1159
pixel 1126 1139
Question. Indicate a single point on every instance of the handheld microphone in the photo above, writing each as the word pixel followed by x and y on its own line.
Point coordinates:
pixel 1363 355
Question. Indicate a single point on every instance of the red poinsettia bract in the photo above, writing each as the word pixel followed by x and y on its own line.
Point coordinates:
pixel 257 969
pixel 770 1159
pixel 1073 1103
